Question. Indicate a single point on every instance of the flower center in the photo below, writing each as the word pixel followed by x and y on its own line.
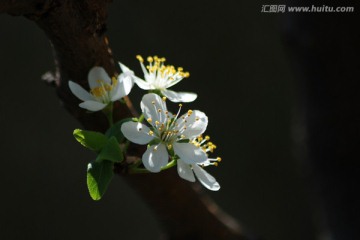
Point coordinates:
pixel 162 75
pixel 102 91
pixel 168 130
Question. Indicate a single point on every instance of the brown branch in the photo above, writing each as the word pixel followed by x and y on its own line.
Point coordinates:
pixel 76 30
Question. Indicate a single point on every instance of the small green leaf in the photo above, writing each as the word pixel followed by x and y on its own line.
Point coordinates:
pixel 115 130
pixel 99 175
pixel 111 151
pixel 92 140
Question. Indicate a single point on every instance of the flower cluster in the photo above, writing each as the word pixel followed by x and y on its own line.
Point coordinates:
pixel 171 139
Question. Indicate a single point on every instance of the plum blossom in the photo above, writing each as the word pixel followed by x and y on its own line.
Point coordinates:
pixel 103 89
pixel 168 133
pixel 159 76
pixel 186 171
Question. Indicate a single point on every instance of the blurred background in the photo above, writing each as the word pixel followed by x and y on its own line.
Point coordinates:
pixel 281 93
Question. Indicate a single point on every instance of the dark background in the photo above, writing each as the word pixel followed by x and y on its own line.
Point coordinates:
pixel 244 65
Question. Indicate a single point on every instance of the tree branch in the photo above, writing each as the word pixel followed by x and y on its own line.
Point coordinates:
pixel 76 29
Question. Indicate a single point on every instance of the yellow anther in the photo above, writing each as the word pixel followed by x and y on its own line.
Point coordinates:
pixel 218 159
pixel 114 81
pixel 186 75
pixel 164 99
pixel 159 110
pixel 153 102
pixel 151 133
pixel 180 69
pixel 157 123
pixel 180 105
pixel 150 59
pixel 216 164
pixel 149 120
pixel 163 59
pixel 139 57
pixel 207 138
pixel 169 146
pixel 190 112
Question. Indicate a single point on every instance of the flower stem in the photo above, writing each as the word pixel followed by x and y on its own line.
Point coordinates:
pixel 109 113
pixel 169 165
pixel 141 118
pixel 144 170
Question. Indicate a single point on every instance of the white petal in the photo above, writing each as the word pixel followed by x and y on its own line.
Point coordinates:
pixel 146 73
pixel 80 92
pixel 142 84
pixel 155 157
pixel 175 80
pixel 195 124
pixel 206 179
pixel 96 74
pixel 189 153
pixel 127 83
pixel 92 105
pixel 150 105
pixel 136 132
pixel 185 171
pixel 122 88
pixel 125 69
pixel 179 96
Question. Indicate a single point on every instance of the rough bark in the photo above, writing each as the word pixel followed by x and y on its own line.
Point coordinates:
pixel 76 29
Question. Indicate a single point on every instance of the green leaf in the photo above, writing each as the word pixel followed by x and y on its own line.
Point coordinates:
pixel 111 151
pixel 115 130
pixel 92 140
pixel 99 175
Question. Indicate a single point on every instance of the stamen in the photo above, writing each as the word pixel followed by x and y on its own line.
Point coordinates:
pixel 139 57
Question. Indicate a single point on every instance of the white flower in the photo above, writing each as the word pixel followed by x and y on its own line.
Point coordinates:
pixel 126 76
pixel 186 171
pixel 159 76
pixel 103 89
pixel 167 132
